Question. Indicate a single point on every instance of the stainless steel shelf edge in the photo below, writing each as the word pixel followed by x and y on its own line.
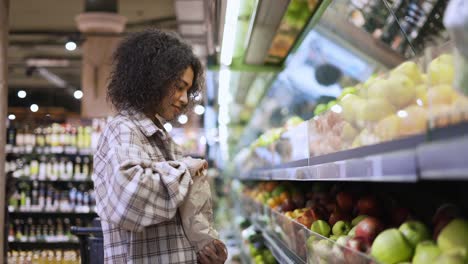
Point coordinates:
pixel 444 160
pixel 281 253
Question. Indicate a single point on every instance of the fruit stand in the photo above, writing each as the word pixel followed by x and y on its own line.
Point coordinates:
pixel 379 173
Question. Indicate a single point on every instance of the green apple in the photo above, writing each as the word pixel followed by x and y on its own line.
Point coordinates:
pixel 426 252
pixel 446 258
pixel 358 219
pixel 410 69
pixel 352 232
pixel 334 237
pixel 391 247
pixel 414 232
pixel 321 227
pixel 454 237
pixel 322 248
pixel 341 228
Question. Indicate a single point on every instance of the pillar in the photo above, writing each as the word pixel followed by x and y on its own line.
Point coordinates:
pixel 101 31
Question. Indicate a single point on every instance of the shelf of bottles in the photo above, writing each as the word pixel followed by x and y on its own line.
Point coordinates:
pixel 51 168
pixel 46 256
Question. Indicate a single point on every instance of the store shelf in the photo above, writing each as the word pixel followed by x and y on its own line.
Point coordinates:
pixel 57 181
pixel 282 254
pixel 52 214
pixel 58 150
pixel 43 245
pixel 444 160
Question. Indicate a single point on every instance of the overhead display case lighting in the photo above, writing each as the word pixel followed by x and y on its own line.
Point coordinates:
pixel 168 127
pixel 22 94
pixel 34 108
pixel 70 46
pixel 199 109
pixel 182 119
pixel 229 33
pixel 11 117
pixel 78 94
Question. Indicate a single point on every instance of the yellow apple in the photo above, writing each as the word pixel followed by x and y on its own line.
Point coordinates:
pixel 441 94
pixel 348 132
pixel 351 104
pixel 388 128
pixel 398 89
pixel 410 69
pixel 421 94
pixel 441 70
pixel 413 120
pixel 375 109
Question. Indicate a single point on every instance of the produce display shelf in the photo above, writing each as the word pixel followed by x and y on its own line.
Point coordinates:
pixel 51 214
pixel 282 254
pixel 43 245
pixel 441 154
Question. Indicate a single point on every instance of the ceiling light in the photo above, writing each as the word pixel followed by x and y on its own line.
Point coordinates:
pixel 168 127
pixel 182 119
pixel 78 94
pixel 229 32
pixel 70 45
pixel 11 117
pixel 34 108
pixel 402 113
pixel 22 94
pixel 199 109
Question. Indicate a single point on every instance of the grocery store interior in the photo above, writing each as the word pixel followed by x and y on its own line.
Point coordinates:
pixel 334 131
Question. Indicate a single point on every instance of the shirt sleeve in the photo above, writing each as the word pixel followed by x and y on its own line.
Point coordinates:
pixel 134 192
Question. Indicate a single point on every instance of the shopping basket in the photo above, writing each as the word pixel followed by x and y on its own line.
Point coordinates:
pixel 91 242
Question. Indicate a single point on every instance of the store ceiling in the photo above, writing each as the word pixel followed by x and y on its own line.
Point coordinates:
pixel 40 29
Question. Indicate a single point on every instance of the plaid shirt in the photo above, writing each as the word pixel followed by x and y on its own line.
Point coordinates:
pixel 140 180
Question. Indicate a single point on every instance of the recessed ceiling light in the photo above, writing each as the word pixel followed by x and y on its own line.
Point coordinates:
pixel 182 119
pixel 78 94
pixel 34 108
pixel 168 127
pixel 199 109
pixel 22 94
pixel 11 117
pixel 70 45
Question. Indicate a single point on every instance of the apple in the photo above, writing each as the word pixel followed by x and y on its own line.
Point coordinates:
pixel 358 219
pixel 338 215
pixel 322 248
pixel 353 246
pixel 414 232
pixel 410 69
pixel 334 237
pixel 341 228
pixel 344 201
pixel 445 211
pixel 441 70
pixel 338 249
pixel 305 220
pixel 399 215
pixel 298 199
pixel 321 227
pixel 446 258
pixel 454 237
pixel 368 205
pixel 426 252
pixel 391 247
pixel 352 232
pixel 287 205
pixel 369 228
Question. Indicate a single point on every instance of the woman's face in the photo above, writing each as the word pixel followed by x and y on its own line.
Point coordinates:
pixel 176 100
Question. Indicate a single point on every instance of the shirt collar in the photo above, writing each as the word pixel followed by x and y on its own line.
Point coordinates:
pixel 145 124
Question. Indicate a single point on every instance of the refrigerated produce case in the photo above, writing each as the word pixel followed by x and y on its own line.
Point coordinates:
pixel 394 138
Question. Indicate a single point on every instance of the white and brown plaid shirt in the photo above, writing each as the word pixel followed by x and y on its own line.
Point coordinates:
pixel 140 180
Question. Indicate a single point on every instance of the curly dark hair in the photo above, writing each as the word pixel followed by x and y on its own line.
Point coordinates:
pixel 146 67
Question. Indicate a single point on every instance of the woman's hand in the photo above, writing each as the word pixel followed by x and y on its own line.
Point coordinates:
pixel 213 253
pixel 195 165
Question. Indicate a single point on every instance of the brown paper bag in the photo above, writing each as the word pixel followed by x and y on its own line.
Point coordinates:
pixel 197 213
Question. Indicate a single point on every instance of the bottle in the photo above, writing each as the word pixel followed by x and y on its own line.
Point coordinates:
pixel 72 196
pixel 68 169
pixel 33 168
pixel 11 233
pixel 11 135
pixel 49 199
pixel 77 172
pixel 42 196
pixel 42 168
pixel 86 168
pixel 54 168
pixel 34 196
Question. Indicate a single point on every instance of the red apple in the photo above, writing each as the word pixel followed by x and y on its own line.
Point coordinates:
pixel 356 244
pixel 368 205
pixel 345 201
pixel 287 205
pixel 305 220
pixel 369 228
pixel 338 215
pixel 317 212
pixel 298 199
pixel 440 225
pixel 444 212
pixel 399 215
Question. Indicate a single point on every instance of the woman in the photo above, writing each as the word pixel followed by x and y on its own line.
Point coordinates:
pixel 140 175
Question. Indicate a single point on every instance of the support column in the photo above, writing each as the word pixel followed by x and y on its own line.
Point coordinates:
pixel 97 55
pixel 4 8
